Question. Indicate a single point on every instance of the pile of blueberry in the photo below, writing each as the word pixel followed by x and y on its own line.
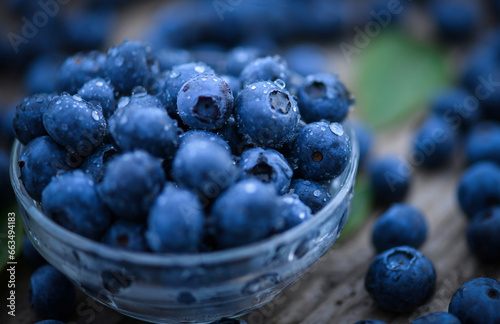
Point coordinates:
pixel 184 159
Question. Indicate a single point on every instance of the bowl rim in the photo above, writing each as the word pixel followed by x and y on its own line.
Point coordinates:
pixel 182 259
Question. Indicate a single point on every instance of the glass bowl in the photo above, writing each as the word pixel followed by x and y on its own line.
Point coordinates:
pixel 188 288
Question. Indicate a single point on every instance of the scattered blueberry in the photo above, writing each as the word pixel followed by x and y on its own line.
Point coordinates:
pixel 51 295
pixel 294 211
pixel 390 179
pixel 401 224
pixel 477 302
pixel 458 107
pixel 482 234
pixel 400 279
pixel 269 68
pixel 28 121
pixel 483 143
pixel 437 318
pixel 126 235
pixel 79 69
pixel 99 92
pixel 313 194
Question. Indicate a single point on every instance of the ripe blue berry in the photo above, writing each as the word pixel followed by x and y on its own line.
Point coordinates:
pixel 71 200
pixel 294 211
pixel 74 123
pixel 28 121
pixel 175 222
pixel 41 159
pixel 478 188
pixel 313 194
pixel 390 179
pixel 99 92
pixel 268 166
pixel 437 318
pixel 205 102
pixel 269 68
pixel 267 114
pixel 79 69
pixel 322 151
pixel 131 183
pixel 482 234
pixel 457 108
pixel 51 295
pixel 126 235
pixel 483 143
pixel 477 302
pixel 400 279
pixel 401 224
pixel 323 97
pixel 247 212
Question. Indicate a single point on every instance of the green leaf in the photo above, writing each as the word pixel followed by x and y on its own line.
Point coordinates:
pixel 4 237
pixel 360 207
pixel 396 76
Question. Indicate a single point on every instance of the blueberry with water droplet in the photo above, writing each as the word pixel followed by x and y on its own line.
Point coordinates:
pixel 294 211
pixel 99 92
pixel 79 69
pixel 269 68
pixel 28 120
pixel 311 193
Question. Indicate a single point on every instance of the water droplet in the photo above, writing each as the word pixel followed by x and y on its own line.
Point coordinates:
pixel 77 98
pixel 280 83
pixel 261 283
pixel 199 68
pixel 95 115
pixel 123 102
pixel 119 60
pixel 253 87
pixel 99 83
pixel 317 193
pixel 39 100
pixel 139 92
pixel 174 74
pixel 337 129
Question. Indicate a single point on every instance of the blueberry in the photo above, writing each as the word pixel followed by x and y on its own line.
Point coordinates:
pixel 267 114
pixel 140 98
pixel 199 135
pixel 74 123
pixel 95 164
pixel 239 57
pixel 437 318
pixel 457 108
pixel 175 223
pixel 306 59
pixel 400 279
pixel 228 321
pixel 41 159
pixel 294 211
pixel 204 167
pixel 41 73
pixel 482 234
pixel 170 57
pixel 205 102
pixel 79 69
pixel 323 96
pixel 5 188
pixel 269 68
pixel 456 20
pixel 99 92
pixel 313 194
pixel 247 212
pixel 401 224
pixel 268 166
pixel 51 295
pixel 365 140
pixel 31 255
pixel 230 133
pixel 126 235
pixel 71 200
pixel 390 179
pixel 131 183
pixel 434 143
pixel 174 81
pixel 483 143
pixel 477 302
pixel 28 121
pixel 144 128
pixel 131 64
pixel 478 188
pixel 370 321
pixel 322 151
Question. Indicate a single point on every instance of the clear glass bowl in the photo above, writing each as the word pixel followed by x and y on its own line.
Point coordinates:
pixel 188 288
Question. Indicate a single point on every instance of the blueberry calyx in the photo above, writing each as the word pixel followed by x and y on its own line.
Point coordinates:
pixel 280 102
pixel 262 170
pixel 399 260
pixel 206 109
pixel 316 90
pixel 493 294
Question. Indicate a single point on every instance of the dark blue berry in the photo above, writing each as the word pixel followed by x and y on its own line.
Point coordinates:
pixel 175 223
pixel 437 318
pixel 270 68
pixel 51 295
pixel 390 179
pixel 204 167
pixel 477 302
pixel 131 64
pixel 126 235
pixel 267 114
pixel 483 143
pixel 95 164
pixel 71 200
pixel 144 128
pixel 458 107
pixel 79 69
pixel 247 212
pixel 401 224
pixel 239 57
pixel 199 135
pixel 400 279
pixel 205 102
pixel 478 188
pixel 28 121
pixel 482 235
pixel 131 183
pixel 313 194
pixel 268 166
pixel 99 92
pixel 31 255
pixel 74 123
pixel 294 211
pixel 434 143
pixel 322 151
pixel 323 96
pixel 41 159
